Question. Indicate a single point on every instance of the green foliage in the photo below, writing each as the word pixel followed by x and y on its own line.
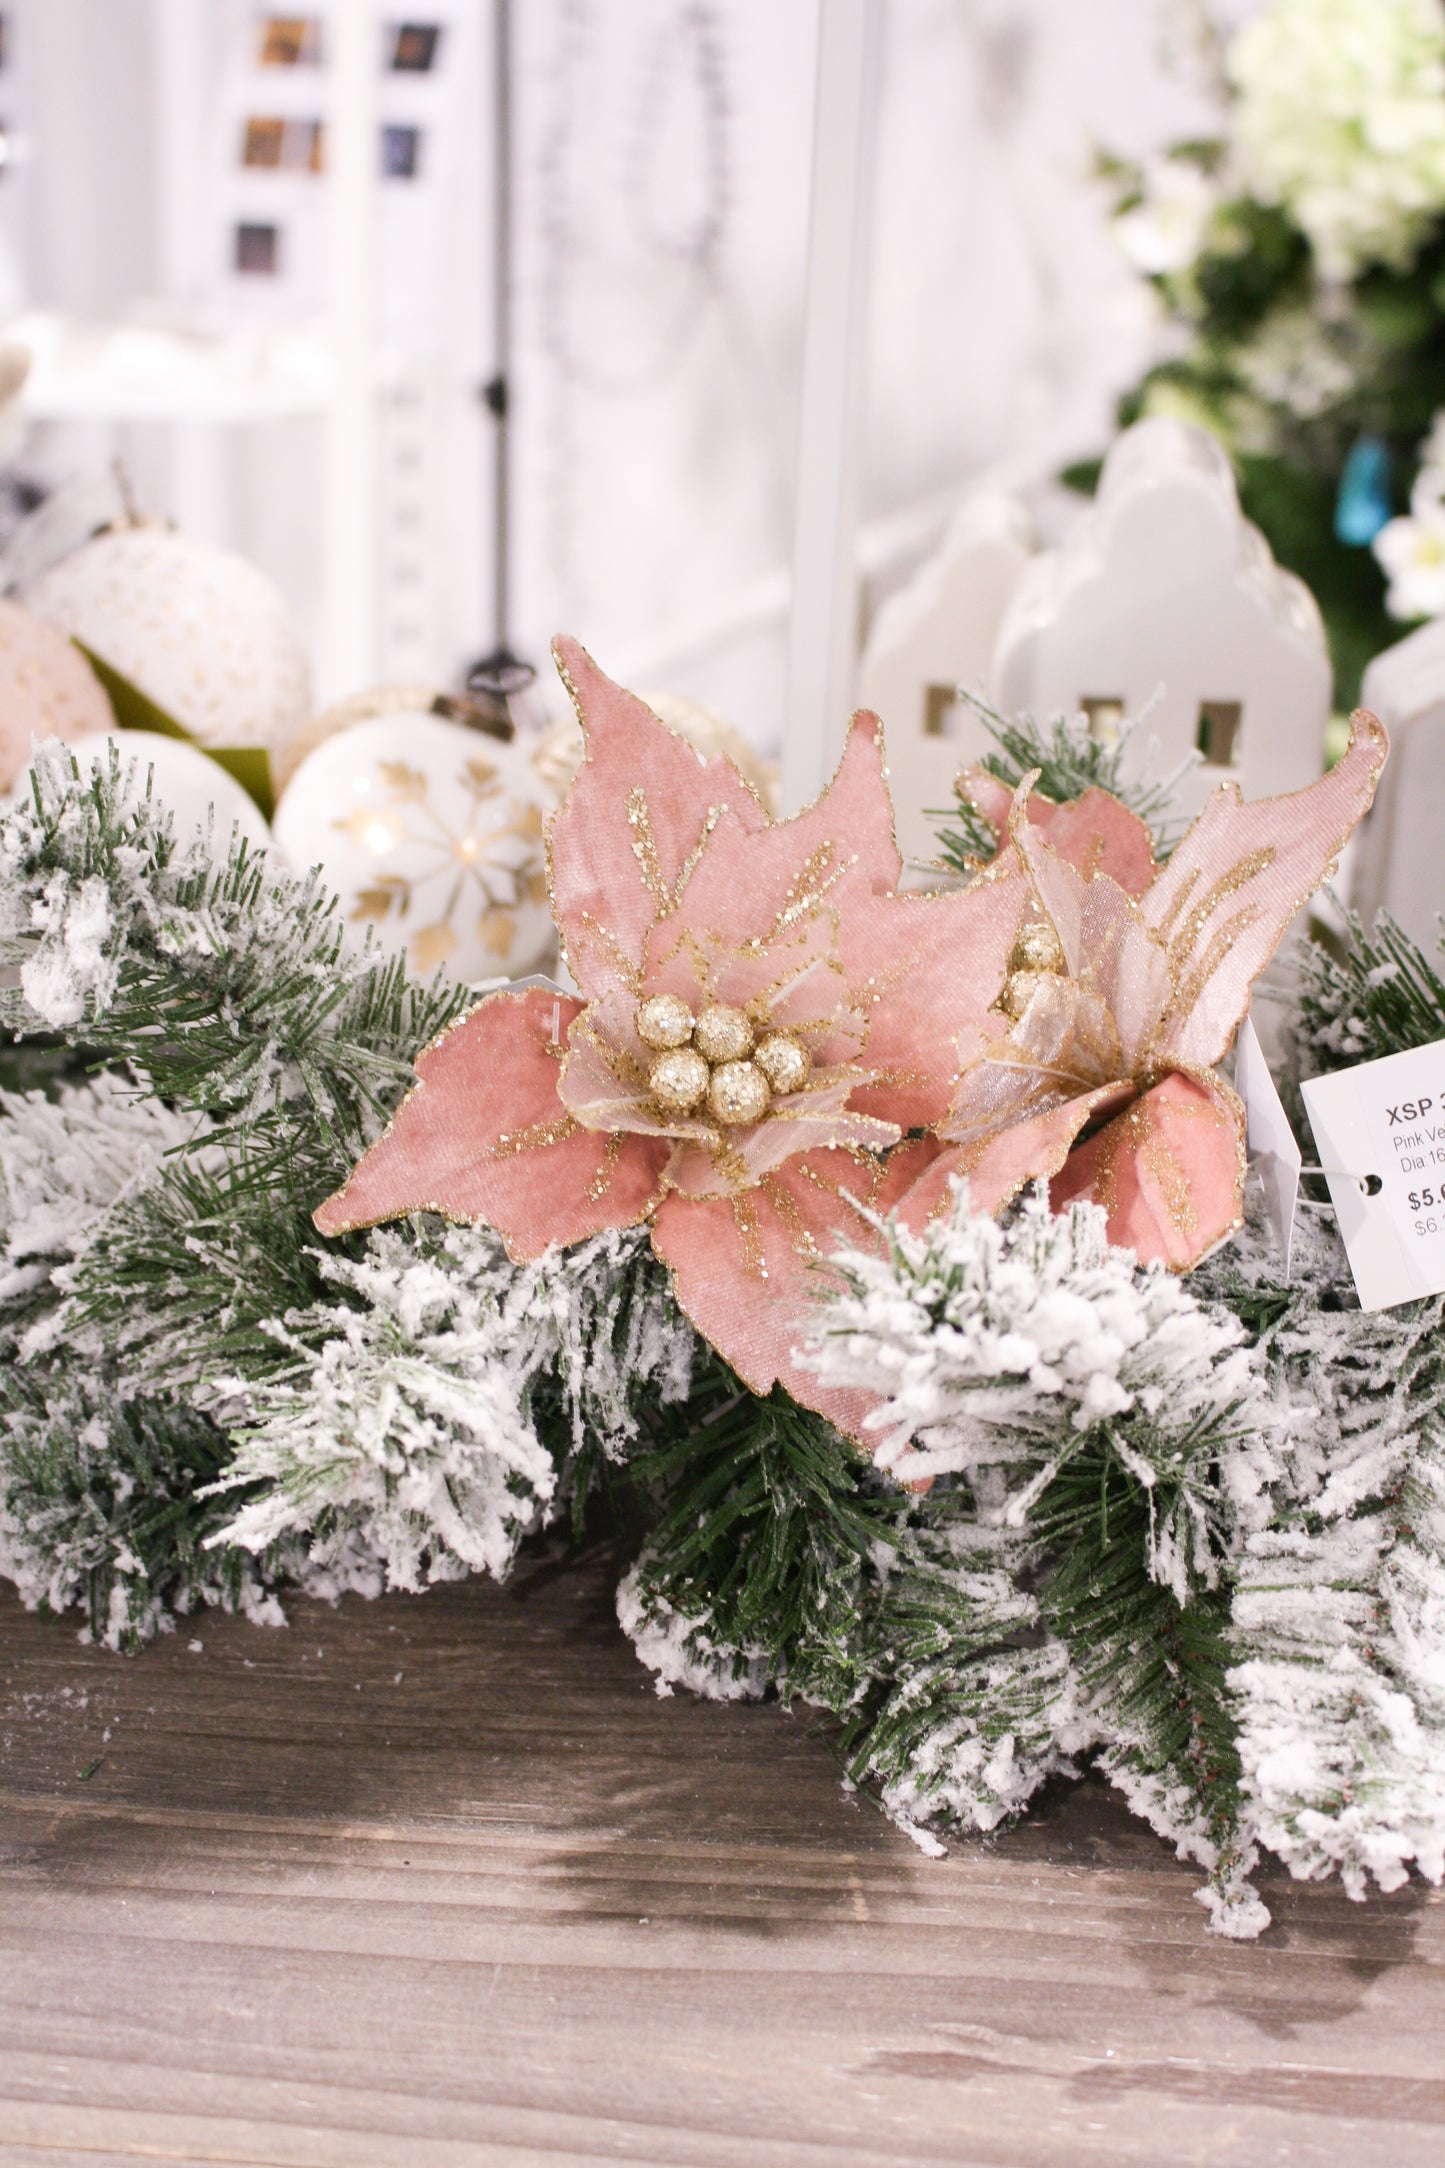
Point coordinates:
pixel 1381 995
pixel 226 989
pixel 101 1505
pixel 1155 1665
pixel 963 1656
pixel 767 1521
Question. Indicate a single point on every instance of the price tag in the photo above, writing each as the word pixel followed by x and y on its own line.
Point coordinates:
pixel 1273 1148
pixel 1380 1129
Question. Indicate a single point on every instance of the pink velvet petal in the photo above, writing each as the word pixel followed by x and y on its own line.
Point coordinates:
pixel 1095 834
pixel 928 968
pixel 744 882
pixel 637 811
pixel 1229 891
pixel 1099 834
pixel 999 1166
pixel 484 1136
pixel 1169 1171
pixel 748 1272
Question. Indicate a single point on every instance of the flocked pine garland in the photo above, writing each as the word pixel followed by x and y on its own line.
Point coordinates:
pixel 1193 1530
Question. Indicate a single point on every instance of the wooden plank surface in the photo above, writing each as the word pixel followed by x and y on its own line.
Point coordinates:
pixel 442 1881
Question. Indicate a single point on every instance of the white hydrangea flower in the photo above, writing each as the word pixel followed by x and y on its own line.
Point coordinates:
pixel 1341 119
pixel 1165 231
pixel 1293 362
pixel 1412 551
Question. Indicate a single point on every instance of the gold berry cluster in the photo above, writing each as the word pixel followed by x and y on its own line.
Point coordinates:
pixel 715 1057
pixel 1037 955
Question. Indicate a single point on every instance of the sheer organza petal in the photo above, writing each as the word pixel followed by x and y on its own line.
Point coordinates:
pixel 1236 880
pixel 483 1136
pixel 749 1271
pixel 1169 1170
pixel 1063 1047
pixel 805 1121
pixel 1096 833
pixel 640 806
pixel 1108 942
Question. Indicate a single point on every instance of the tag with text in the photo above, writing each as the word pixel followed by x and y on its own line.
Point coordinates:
pixel 1380 1129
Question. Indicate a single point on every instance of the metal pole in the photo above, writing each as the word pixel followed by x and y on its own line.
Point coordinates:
pixel 500 674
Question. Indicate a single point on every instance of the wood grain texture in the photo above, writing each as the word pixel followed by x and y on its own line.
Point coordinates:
pixel 442 1881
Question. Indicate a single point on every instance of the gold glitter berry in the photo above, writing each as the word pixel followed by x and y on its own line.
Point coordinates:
pixel 723 1033
pixel 784 1061
pixel 738 1093
pixel 1019 990
pixel 663 1021
pixel 678 1080
pixel 1037 948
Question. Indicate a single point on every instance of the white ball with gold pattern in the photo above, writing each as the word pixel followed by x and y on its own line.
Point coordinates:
pixel 431 834
pixel 202 633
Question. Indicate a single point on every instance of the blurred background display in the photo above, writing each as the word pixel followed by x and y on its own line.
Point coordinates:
pixel 170 262
pixel 777 351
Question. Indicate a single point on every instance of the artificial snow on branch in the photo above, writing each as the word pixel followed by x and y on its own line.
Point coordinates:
pixel 429 1411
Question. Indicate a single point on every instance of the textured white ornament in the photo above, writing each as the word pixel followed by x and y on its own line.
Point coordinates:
pixel 432 835
pixel 47 689
pixel 198 630
pixel 186 781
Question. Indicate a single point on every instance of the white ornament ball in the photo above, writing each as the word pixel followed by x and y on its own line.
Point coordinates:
pixel 198 630
pixel 431 834
pixel 183 780
pixel 47 689
pixel 330 721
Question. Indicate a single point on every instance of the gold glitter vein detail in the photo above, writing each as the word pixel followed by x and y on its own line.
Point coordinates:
pixel 532 1138
pixel 629 972
pixel 644 849
pixel 689 865
pixel 786 1206
pixel 745 1213
pixel 601 1181
pixel 1228 884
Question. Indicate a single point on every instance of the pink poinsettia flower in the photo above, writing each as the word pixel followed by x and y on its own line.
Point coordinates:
pixel 1097 1069
pixel 762 1019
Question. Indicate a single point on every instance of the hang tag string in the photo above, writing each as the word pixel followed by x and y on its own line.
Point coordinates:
pixel 1369 1185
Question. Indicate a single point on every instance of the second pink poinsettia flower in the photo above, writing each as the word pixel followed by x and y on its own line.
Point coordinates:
pixel 762 1018
pixel 1096 1069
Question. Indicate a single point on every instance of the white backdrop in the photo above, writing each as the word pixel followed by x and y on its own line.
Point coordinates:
pixel 661 207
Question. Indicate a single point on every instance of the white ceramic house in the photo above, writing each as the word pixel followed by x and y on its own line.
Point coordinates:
pixel 1399 860
pixel 931 637
pixel 1165 591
